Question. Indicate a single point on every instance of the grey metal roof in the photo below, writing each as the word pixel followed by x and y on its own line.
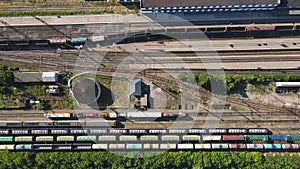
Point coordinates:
pixel 183 3
pixel 28 77
pixel 135 87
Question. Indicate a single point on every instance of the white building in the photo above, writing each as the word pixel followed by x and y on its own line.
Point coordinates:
pixel 50 77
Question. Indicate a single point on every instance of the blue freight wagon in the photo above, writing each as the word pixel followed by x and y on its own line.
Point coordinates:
pixel 278 138
pixel 272 146
pixel 23 147
pixel 77 41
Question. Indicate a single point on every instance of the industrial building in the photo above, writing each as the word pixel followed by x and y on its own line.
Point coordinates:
pixel 140 91
pixel 36 77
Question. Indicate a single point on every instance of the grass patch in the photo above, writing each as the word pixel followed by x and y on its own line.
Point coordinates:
pixel 61 13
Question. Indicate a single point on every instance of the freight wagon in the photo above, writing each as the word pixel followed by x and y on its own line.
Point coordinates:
pixel 256 137
pixel 134 146
pixel 151 146
pixel 294 138
pixel 278 138
pixel 86 138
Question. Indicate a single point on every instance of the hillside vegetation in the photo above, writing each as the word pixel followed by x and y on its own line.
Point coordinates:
pixel 188 160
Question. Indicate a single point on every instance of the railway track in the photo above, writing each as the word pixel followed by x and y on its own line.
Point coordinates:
pixel 66 63
pixel 253 105
pixel 59 61
pixel 23 114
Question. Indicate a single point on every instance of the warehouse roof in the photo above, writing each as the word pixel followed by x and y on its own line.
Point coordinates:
pixel 28 77
pixel 34 77
pixel 183 3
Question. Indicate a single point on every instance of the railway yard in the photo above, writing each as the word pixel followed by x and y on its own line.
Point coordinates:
pixel 213 89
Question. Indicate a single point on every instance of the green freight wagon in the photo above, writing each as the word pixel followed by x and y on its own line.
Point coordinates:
pixel 295 137
pixel 256 138
pixel 65 138
pixel 86 138
pixel 44 138
pixel 23 138
pixel 6 139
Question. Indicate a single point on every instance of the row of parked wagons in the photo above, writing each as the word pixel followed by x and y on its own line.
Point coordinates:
pixel 93 130
pixel 60 123
pixel 169 138
pixel 154 147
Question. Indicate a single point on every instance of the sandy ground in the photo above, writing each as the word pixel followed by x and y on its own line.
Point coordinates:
pixel 270 97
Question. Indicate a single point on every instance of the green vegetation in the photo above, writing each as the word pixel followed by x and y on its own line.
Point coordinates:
pixel 236 82
pixel 172 90
pixel 58 13
pixel 182 160
pixel 58 8
pixel 18 95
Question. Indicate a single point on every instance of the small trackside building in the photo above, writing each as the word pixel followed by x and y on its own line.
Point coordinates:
pixel 50 76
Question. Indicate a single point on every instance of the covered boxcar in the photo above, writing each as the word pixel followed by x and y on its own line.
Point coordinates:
pixel 185 146
pixel 219 146
pixel 23 147
pixel 255 146
pixel 65 138
pixel 202 146
pixel 191 138
pixel 58 41
pixel 232 137
pixel 6 139
pixel 272 146
pixel 107 138
pixel 128 138
pixel 278 138
pixel 44 139
pixel 100 146
pixel 149 138
pixel 86 138
pixel 256 138
pixel 151 146
pixel 23 139
pixel 133 146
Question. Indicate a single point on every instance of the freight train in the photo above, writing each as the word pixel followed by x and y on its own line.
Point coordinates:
pixel 98 135
pixel 113 116
pixel 93 129
pixel 151 147
pixel 61 123
pixel 78 42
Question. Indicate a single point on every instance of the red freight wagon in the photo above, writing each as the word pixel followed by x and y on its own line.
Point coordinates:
pixel 233 137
